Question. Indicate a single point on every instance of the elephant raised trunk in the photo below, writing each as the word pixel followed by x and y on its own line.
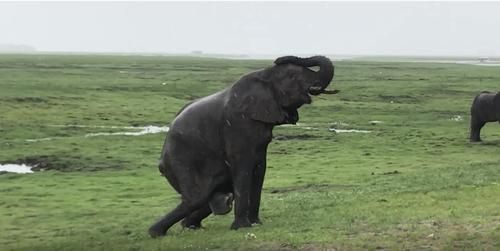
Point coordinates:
pixel 325 73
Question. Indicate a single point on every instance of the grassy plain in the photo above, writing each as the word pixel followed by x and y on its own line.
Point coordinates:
pixel 412 183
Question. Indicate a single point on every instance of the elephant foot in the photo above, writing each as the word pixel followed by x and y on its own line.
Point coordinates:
pixel 255 221
pixel 475 141
pixel 191 225
pixel 240 223
pixel 154 232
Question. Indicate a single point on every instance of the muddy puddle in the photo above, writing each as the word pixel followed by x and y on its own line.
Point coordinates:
pixel 138 131
pixel 347 130
pixel 299 125
pixel 468 62
pixel 331 128
pixel 127 131
pixel 15 168
pixel 296 137
pixel 63 161
pixel 38 140
pixel 487 63
pixel 375 122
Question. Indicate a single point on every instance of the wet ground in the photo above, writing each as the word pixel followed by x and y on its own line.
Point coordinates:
pixel 15 168
pixel 72 161
pixel 110 131
pixel 64 162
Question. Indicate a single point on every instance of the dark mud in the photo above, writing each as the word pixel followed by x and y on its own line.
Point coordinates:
pixel 309 187
pixel 391 173
pixel 28 100
pixel 293 137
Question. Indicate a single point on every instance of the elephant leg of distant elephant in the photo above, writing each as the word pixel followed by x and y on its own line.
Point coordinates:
pixel 193 221
pixel 255 196
pixel 475 130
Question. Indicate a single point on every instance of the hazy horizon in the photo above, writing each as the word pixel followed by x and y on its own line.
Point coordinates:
pixel 255 28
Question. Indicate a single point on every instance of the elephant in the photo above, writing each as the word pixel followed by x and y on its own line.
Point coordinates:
pixel 484 108
pixel 215 151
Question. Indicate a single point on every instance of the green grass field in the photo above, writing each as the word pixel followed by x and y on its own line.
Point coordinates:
pixel 412 183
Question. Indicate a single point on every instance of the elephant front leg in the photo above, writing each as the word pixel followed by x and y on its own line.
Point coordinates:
pixel 255 196
pixel 242 182
pixel 244 153
pixel 475 130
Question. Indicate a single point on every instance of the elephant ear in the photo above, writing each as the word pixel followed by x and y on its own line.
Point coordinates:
pixel 256 99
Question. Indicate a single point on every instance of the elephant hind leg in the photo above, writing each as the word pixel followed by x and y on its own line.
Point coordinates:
pixel 194 219
pixel 475 130
pixel 187 207
pixel 221 202
pixel 162 225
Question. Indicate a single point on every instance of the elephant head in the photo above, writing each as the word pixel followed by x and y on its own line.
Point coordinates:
pixel 321 78
pixel 274 94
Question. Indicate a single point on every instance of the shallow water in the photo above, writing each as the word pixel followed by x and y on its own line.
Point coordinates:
pixel 98 126
pixel 143 130
pixel 15 168
pixel 348 130
pixel 298 125
pixel 306 127
pixel 469 62
pixel 133 131
pixel 37 140
pixel 491 63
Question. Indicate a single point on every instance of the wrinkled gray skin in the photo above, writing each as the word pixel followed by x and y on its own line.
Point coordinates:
pixel 485 108
pixel 220 203
pixel 216 146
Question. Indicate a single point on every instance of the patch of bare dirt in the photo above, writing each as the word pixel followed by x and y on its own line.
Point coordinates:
pixel 298 136
pixel 315 187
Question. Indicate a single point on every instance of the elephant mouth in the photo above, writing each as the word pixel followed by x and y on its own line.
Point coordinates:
pixel 315 90
pixel 292 116
pixel 307 99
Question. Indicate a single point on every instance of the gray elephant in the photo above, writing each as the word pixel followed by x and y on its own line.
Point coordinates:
pixel 216 147
pixel 485 108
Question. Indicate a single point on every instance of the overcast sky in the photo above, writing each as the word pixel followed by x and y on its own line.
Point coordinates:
pixel 360 28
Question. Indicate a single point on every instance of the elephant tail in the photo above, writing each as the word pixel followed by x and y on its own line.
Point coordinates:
pixel 474 104
pixel 166 172
pixel 161 167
